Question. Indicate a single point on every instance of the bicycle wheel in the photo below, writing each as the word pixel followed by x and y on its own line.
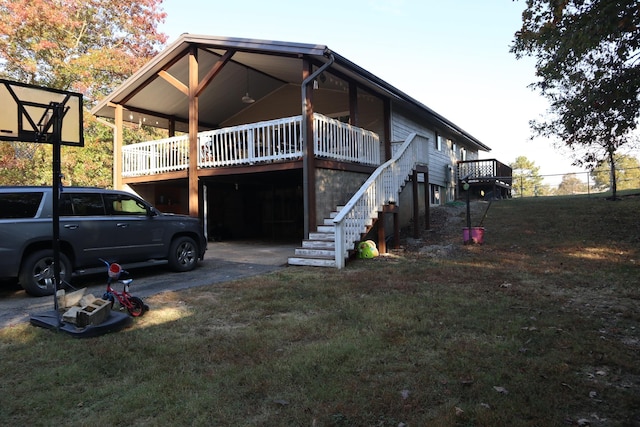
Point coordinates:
pixel 137 307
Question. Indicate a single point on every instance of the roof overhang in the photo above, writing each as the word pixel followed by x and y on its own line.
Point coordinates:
pixel 271 64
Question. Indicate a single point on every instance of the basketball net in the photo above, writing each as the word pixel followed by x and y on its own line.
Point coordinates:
pixel 24 150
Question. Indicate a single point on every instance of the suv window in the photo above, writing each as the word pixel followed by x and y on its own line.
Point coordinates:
pixel 19 205
pixel 81 204
pixel 122 205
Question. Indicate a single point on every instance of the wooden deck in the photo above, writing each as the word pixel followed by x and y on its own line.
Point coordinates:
pixel 490 175
pixel 251 144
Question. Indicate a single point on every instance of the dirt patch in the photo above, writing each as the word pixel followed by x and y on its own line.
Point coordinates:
pixel 444 237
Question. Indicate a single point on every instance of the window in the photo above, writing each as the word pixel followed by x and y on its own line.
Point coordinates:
pixel 81 204
pixel 123 205
pixel 439 142
pixel 463 154
pixel 19 205
pixel 435 194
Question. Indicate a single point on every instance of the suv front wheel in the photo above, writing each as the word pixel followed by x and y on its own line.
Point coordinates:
pixel 183 255
pixel 37 273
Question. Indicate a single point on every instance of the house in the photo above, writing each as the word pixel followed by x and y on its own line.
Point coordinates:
pixel 238 115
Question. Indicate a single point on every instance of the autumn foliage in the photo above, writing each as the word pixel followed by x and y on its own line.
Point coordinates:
pixel 86 46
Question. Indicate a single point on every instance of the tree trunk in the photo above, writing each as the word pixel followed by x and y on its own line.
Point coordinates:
pixel 614 186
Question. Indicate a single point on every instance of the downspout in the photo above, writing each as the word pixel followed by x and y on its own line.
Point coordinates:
pixel 305 156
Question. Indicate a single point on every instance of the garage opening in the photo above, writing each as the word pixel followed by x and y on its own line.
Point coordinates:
pixel 260 206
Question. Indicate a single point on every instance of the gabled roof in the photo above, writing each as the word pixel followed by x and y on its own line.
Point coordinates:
pixel 271 64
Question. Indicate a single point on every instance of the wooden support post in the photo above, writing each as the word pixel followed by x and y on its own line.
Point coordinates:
pixel 382 237
pixel 396 229
pixel 416 207
pixel 193 132
pixel 427 202
pixel 118 138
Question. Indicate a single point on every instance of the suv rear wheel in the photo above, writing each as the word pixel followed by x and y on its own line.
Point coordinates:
pixel 37 274
pixel 183 255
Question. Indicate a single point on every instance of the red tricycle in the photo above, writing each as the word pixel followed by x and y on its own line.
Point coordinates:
pixel 134 305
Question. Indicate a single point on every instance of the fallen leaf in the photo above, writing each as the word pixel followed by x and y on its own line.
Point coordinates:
pixel 459 411
pixel 501 390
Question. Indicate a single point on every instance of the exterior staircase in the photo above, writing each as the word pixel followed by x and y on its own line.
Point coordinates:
pixel 337 236
pixel 319 250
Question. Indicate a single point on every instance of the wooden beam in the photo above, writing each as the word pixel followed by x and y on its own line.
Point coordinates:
pixel 117 147
pixel 193 132
pixel 427 201
pixel 213 72
pixel 353 104
pixel 416 206
pixel 387 129
pixel 147 82
pixel 174 82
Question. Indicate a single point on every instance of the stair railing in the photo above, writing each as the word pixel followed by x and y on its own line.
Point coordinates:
pixel 381 188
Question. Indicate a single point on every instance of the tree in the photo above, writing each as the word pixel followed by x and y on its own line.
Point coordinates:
pixel 627 175
pixel 86 46
pixel 588 67
pixel 526 178
pixel 571 184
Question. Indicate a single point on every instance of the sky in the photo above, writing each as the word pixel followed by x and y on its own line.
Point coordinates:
pixel 452 56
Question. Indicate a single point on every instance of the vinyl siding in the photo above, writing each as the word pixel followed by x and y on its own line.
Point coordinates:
pixel 403 124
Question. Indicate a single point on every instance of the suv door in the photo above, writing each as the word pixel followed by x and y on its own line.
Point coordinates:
pixel 84 224
pixel 138 235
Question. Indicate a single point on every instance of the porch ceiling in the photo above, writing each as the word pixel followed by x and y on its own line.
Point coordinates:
pixel 150 99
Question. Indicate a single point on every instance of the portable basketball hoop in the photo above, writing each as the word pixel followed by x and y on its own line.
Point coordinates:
pixel 35 115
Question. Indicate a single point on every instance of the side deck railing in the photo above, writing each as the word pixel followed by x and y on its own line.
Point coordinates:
pixel 262 142
pixel 382 187
pixel 485 171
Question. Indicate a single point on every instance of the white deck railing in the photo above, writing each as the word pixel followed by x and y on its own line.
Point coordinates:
pixel 336 140
pixel 382 187
pixel 267 141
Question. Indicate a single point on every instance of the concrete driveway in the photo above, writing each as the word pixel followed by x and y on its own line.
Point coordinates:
pixel 224 261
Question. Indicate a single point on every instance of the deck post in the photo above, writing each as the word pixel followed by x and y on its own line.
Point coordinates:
pixel 416 207
pixel 427 201
pixel 382 235
pixel 117 147
pixel 193 132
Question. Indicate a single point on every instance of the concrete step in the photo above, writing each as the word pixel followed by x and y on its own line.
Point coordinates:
pixel 322 236
pixel 331 229
pixel 313 262
pixel 318 244
pixel 315 252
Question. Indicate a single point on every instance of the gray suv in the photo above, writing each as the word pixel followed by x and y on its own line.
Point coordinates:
pixel 94 223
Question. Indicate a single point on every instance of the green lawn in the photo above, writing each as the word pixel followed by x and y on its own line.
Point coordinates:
pixel 540 326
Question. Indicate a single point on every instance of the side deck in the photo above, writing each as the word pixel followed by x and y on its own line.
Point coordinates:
pixel 489 176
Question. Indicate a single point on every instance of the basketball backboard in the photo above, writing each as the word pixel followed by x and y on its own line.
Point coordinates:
pixel 26 111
